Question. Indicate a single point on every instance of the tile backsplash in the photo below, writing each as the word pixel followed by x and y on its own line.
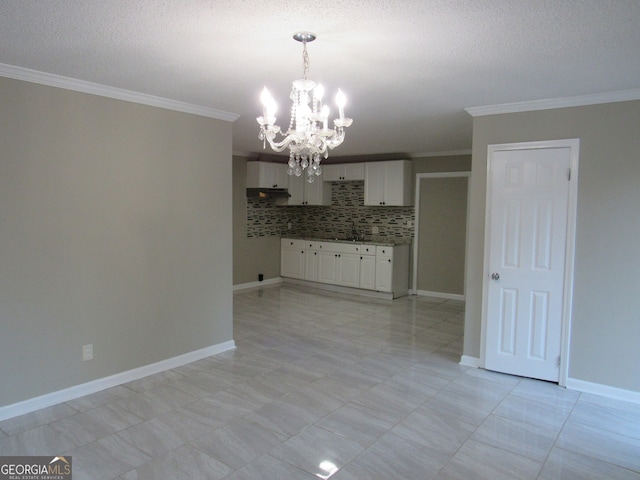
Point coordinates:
pixel 347 210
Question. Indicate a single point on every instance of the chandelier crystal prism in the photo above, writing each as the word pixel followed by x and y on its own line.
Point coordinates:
pixel 308 138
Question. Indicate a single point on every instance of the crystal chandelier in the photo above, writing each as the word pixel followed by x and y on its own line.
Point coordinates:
pixel 308 138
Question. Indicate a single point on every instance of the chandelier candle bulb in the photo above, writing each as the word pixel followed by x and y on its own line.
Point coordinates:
pixel 341 101
pixel 318 93
pixel 325 117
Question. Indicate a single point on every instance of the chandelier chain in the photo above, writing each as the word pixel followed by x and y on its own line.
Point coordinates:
pixel 305 60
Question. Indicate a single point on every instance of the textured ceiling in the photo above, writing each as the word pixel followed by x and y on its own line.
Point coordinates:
pixel 409 67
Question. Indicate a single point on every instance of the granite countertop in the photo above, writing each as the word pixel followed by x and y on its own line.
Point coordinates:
pixel 382 241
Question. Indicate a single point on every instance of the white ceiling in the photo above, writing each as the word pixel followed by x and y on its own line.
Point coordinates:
pixel 409 67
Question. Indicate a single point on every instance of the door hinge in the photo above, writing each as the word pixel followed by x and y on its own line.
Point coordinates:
pixel 568 174
pixel 558 361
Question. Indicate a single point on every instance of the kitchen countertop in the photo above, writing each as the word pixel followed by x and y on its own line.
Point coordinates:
pixel 384 242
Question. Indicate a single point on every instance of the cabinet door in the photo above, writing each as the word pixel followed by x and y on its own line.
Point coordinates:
pixel 316 193
pixel 311 265
pixel 368 272
pixel 327 266
pixel 374 183
pixel 353 171
pixel 332 173
pixel 312 191
pixel 384 274
pixel 394 184
pixel 267 175
pixel 292 263
pixel 296 190
pixel 348 270
pixel 279 175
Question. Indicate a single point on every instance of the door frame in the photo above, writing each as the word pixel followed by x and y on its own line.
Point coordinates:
pixel 419 178
pixel 567 302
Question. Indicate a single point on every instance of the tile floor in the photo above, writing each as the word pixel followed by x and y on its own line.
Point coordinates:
pixel 328 385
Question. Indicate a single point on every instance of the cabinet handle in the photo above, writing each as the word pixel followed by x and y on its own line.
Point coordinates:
pixel 315 253
pixel 291 243
pixel 389 260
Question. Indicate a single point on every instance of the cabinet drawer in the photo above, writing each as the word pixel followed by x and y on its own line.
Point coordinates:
pixel 384 252
pixel 292 244
pixel 311 245
pixel 354 248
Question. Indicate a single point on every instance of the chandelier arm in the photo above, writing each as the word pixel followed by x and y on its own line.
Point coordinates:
pixel 280 146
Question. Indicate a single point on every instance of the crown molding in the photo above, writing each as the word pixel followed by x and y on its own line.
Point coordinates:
pixel 52 80
pixel 547 104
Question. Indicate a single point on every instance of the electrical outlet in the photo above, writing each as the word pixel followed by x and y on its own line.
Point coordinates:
pixel 374 230
pixel 87 352
pixel 289 226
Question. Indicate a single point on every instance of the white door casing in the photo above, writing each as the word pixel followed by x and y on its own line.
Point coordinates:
pixel 531 194
pixel 416 229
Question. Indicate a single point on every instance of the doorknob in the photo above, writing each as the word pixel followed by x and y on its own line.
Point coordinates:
pixel 495 276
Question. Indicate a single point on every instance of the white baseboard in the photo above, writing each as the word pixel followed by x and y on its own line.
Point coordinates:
pixel 468 361
pixel 94 386
pixel 603 390
pixel 264 283
pixel 340 289
pixel 448 296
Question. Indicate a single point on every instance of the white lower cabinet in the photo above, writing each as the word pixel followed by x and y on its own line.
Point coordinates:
pixel 348 274
pixel 368 272
pixel 311 261
pixel 292 258
pixel 327 266
pixel 384 271
pixel 392 269
pixel 369 267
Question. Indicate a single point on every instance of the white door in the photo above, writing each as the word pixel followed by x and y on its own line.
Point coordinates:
pixel 527 234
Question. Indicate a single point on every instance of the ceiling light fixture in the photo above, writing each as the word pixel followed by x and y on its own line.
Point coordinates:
pixel 308 138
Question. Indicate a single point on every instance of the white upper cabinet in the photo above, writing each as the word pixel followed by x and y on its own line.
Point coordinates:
pixel 388 183
pixel 305 193
pixel 343 172
pixel 267 175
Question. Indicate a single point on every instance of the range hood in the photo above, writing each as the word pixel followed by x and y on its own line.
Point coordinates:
pixel 267 193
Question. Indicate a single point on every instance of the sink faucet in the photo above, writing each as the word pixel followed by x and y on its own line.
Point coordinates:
pixel 354 233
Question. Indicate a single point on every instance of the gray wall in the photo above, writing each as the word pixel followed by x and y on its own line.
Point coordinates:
pixel 115 230
pixel 606 305
pixel 442 234
pixel 250 255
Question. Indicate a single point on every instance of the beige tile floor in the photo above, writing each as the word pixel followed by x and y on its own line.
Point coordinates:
pixel 329 385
